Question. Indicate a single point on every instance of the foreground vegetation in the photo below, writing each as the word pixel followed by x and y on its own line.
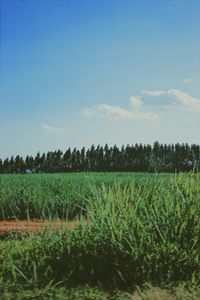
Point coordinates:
pixel 86 292
pixel 141 231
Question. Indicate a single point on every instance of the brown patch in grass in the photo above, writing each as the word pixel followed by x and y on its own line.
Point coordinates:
pixel 177 293
pixel 37 225
pixel 154 294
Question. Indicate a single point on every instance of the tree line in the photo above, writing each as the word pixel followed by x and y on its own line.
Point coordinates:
pixel 130 158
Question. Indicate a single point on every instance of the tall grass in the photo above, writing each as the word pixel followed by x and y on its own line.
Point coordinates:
pixel 53 195
pixel 137 233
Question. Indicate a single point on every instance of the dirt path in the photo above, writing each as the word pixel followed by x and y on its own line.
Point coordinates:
pixel 36 225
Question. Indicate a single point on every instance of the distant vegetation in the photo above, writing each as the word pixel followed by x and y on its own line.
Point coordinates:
pixel 137 158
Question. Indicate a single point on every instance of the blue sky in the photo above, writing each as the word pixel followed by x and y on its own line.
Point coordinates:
pixel 76 73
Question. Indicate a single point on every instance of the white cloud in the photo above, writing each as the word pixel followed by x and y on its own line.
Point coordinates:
pixel 120 114
pixel 115 111
pixel 183 98
pixel 55 130
pixel 88 112
pixel 187 80
pixel 136 102
pixel 154 93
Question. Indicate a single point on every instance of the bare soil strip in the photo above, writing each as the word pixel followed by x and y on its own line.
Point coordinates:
pixel 36 225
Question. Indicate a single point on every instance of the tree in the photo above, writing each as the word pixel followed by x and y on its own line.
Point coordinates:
pixel 134 158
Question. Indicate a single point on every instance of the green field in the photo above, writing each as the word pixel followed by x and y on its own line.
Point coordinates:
pixel 62 195
pixel 143 232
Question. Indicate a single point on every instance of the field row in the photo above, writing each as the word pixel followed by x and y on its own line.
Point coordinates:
pixel 63 196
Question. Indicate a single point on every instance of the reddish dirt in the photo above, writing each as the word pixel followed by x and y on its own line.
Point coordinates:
pixel 36 225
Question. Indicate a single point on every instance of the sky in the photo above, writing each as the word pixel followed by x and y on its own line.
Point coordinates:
pixel 77 73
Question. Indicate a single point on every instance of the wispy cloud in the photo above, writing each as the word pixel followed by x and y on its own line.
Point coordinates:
pixel 154 93
pixel 120 114
pixel 187 80
pixel 52 129
pixel 136 102
pixel 136 113
pixel 88 112
pixel 183 98
pixel 139 111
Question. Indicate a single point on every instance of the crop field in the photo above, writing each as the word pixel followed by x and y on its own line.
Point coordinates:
pixel 62 196
pixel 136 236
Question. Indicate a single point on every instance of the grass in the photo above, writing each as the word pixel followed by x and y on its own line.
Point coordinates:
pixel 143 230
pixel 94 293
pixel 56 195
